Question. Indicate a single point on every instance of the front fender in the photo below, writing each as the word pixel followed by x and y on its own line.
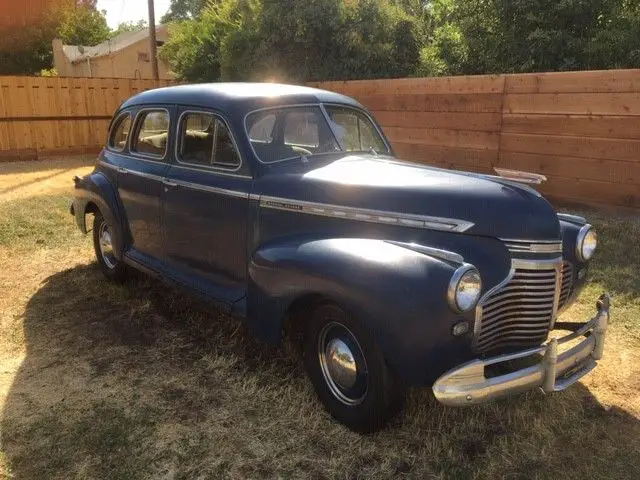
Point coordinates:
pixel 96 189
pixel 398 294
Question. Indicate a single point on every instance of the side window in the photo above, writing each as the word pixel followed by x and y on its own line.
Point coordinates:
pixel 119 132
pixel 152 133
pixel 301 129
pixel 262 129
pixel 206 140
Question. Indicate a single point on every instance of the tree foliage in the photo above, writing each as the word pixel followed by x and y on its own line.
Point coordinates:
pixel 28 50
pixel 83 25
pixel 129 27
pixel 294 40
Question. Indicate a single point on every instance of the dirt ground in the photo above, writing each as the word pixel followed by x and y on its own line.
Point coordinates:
pixel 139 381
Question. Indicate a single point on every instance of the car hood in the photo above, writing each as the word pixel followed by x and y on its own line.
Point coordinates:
pixel 495 207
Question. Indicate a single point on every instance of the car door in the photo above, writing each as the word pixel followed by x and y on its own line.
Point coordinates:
pixel 140 174
pixel 205 207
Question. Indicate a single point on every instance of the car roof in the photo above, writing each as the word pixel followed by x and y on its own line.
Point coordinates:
pixel 237 97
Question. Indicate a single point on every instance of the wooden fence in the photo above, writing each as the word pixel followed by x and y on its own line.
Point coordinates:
pixel 47 116
pixel 580 129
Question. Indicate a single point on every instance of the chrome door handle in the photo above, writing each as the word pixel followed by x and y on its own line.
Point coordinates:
pixel 169 183
pixel 122 170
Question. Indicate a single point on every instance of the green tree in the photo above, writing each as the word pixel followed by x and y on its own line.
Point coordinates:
pixel 294 40
pixel 129 27
pixel 183 10
pixel 83 26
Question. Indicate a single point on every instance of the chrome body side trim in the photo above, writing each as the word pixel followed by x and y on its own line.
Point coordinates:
pixel 128 171
pixel 430 251
pixel 468 384
pixel 578 220
pixel 365 215
pixel 207 188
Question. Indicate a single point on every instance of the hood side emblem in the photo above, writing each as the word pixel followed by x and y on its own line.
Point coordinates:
pixel 520 177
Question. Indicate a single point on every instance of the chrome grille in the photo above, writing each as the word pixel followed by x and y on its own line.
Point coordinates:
pixel 520 312
pixel 567 283
pixel 533 246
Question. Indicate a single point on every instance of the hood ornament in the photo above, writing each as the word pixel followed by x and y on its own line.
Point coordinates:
pixel 519 176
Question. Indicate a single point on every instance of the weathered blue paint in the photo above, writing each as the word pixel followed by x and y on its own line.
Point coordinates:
pixel 207 230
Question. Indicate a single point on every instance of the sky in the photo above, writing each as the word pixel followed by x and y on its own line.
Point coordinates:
pixel 119 11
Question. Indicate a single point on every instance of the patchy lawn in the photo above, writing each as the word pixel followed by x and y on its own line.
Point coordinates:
pixel 138 381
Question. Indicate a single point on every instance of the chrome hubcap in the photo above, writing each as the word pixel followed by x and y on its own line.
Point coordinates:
pixel 106 246
pixel 342 363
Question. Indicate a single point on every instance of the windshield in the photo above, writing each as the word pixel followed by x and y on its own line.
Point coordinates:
pixel 288 132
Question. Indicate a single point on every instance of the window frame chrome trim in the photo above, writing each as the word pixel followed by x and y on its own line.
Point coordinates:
pixel 147 156
pixel 113 123
pixel 325 114
pixel 363 214
pixel 206 167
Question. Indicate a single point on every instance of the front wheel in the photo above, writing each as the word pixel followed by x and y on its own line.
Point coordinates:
pixel 112 268
pixel 348 371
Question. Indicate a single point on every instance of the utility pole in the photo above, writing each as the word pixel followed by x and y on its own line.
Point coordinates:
pixel 152 41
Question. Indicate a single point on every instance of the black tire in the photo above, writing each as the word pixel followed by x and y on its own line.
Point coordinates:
pixel 112 268
pixel 371 396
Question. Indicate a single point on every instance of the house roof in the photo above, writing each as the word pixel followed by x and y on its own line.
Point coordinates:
pixel 77 53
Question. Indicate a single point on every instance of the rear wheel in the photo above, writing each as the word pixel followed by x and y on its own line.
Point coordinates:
pixel 348 371
pixel 103 233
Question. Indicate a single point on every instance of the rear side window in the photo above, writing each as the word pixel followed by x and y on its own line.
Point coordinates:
pixel 205 140
pixel 152 133
pixel 120 132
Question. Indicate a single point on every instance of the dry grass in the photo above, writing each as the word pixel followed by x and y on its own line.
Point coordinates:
pixel 138 381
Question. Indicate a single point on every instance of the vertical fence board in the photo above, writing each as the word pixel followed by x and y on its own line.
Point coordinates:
pixel 41 116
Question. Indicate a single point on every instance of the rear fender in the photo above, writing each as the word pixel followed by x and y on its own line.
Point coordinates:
pixel 96 189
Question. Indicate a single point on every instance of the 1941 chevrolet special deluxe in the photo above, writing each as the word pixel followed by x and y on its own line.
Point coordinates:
pixel 286 207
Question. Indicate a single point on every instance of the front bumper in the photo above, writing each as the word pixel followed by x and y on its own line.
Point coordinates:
pixel 468 384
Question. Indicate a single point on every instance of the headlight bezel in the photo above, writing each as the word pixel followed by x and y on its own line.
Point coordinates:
pixel 454 283
pixel 582 235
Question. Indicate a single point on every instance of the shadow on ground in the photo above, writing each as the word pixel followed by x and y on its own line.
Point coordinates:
pixel 135 382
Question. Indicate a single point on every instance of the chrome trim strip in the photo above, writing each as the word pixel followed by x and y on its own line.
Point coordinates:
pixel 430 251
pixel 364 214
pixel 205 167
pixel 533 246
pixel 209 170
pixel 132 172
pixel 578 220
pixel 209 188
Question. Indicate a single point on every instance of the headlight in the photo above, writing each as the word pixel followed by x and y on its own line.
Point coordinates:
pixel 586 243
pixel 464 288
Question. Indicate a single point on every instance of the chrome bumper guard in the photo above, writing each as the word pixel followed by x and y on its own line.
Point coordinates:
pixel 468 384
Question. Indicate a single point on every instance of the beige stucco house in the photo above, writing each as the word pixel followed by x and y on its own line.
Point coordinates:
pixel 124 56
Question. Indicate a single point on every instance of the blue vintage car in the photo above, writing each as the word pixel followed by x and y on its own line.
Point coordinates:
pixel 286 207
